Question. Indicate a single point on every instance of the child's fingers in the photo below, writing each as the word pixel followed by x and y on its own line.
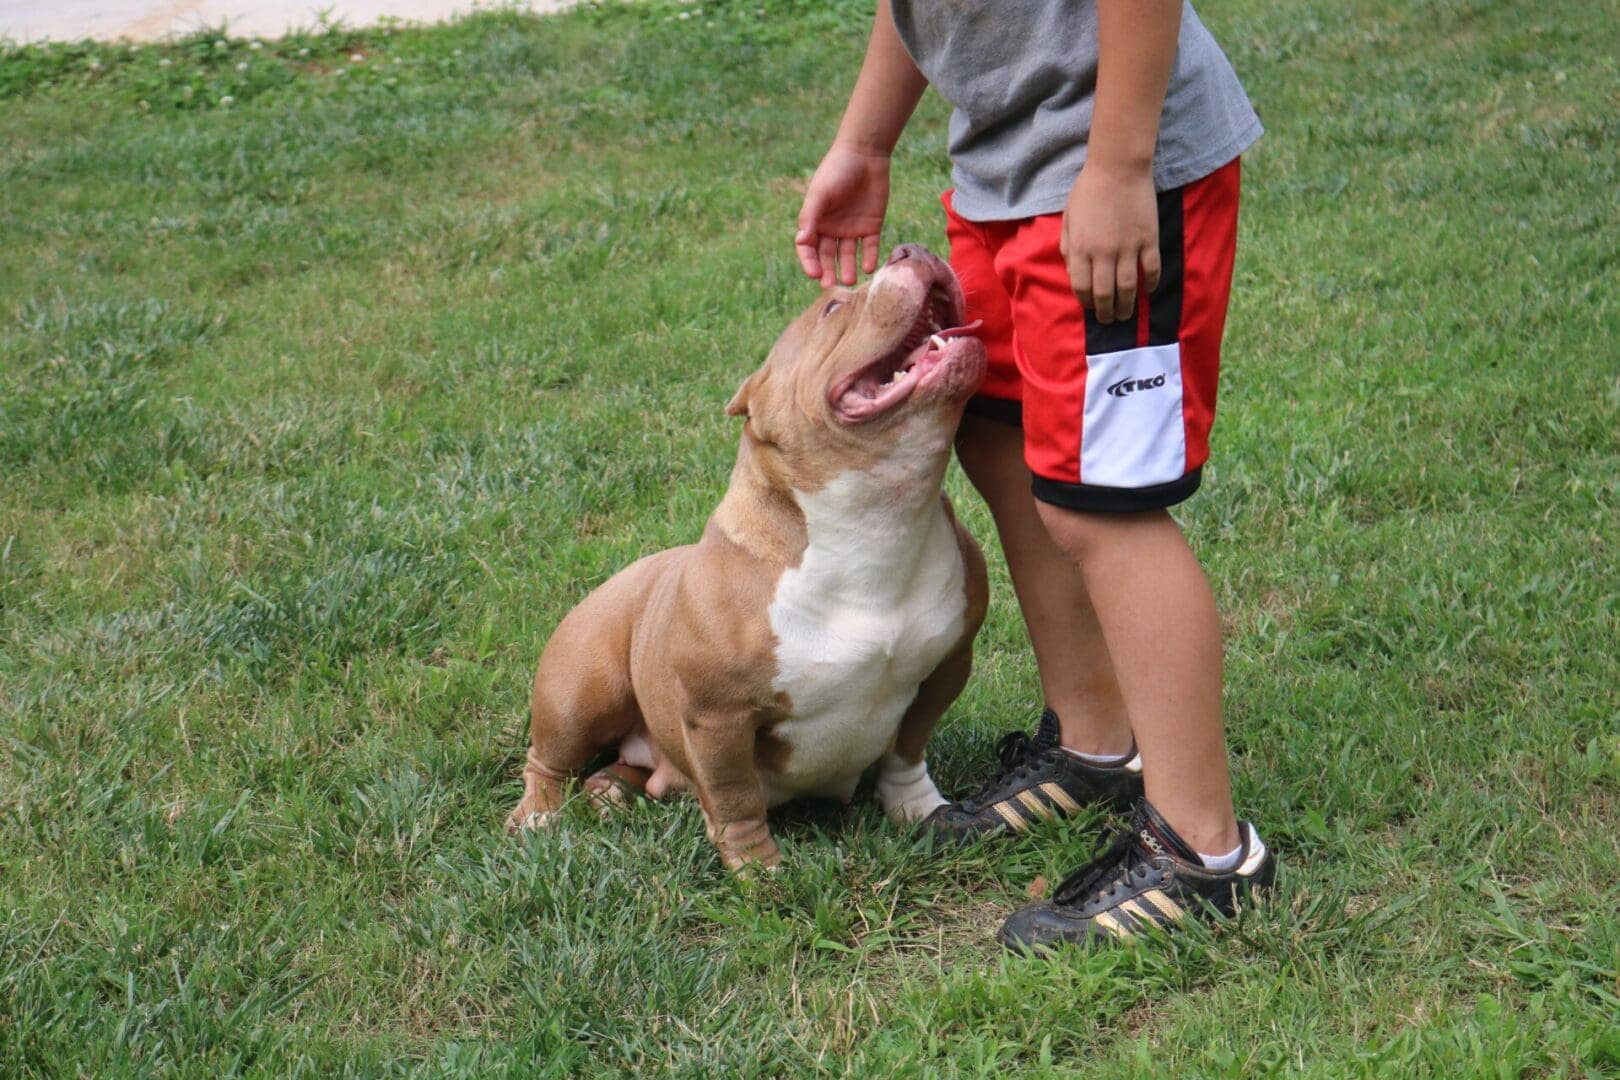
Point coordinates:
pixel 828 250
pixel 846 260
pixel 1102 289
pixel 1151 268
pixel 804 243
pixel 1125 286
pixel 869 253
pixel 1080 278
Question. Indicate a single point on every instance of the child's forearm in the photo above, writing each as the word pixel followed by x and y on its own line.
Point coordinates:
pixel 1136 48
pixel 885 94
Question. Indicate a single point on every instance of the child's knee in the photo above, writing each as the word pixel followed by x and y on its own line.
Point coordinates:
pixel 1087 535
pixel 992 455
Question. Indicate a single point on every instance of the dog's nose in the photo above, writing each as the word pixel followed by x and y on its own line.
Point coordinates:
pixel 907 251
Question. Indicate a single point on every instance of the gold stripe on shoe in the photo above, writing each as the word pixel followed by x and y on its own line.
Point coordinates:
pixel 1111 924
pixel 1010 816
pixel 1033 801
pixel 1169 907
pixel 1061 797
pixel 1137 912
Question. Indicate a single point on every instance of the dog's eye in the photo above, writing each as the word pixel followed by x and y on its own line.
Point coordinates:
pixel 832 306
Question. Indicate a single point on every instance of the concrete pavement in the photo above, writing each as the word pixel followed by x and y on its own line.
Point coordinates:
pixel 153 20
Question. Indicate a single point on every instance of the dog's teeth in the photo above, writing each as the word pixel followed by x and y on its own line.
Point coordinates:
pixel 937 341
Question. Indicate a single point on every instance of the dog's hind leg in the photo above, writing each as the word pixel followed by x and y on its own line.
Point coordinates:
pixel 543 789
pixel 576 714
pixel 564 736
pixel 583 701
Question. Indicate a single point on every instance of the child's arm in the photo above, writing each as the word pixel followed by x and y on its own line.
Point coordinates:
pixel 849 192
pixel 1111 225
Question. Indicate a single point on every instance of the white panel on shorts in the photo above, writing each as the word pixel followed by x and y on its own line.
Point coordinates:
pixel 1132 434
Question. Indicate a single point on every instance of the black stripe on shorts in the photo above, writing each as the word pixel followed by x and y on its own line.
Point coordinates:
pixel 1164 306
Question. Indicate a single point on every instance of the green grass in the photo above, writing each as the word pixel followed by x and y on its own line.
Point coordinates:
pixel 319 408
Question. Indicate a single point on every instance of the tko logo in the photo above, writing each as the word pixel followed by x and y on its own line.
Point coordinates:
pixel 1132 384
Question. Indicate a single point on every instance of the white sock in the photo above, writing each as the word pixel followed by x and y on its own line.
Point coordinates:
pixel 906 791
pixel 1104 761
pixel 1222 864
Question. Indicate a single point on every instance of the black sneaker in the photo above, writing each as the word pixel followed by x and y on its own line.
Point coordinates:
pixel 1037 780
pixel 1146 875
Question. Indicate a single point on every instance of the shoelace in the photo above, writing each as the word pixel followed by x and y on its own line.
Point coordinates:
pixel 1118 860
pixel 1018 754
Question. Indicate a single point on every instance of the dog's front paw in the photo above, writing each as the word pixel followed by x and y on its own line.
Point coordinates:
pixel 906 791
pixel 746 845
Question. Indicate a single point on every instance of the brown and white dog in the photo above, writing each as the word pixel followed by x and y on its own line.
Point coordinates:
pixel 825 620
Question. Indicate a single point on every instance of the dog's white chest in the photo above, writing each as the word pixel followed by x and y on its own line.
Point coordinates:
pixel 875 604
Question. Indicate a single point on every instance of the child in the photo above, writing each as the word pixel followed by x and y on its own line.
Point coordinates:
pixel 1092 222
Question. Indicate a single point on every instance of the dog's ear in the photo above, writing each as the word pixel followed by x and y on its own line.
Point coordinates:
pixel 738 405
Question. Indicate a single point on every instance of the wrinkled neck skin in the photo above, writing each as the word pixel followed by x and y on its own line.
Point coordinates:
pixel 757 514
pixel 870 521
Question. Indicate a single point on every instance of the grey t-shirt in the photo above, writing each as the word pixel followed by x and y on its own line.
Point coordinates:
pixel 1020 76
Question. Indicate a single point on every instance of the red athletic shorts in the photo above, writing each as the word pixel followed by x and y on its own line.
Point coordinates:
pixel 1116 417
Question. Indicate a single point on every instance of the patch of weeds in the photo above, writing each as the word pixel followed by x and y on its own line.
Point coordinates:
pixel 82 380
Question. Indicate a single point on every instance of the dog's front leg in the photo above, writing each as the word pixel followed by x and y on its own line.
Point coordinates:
pixel 721 750
pixel 904 787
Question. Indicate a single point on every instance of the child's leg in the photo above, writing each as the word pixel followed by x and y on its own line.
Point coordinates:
pixel 1116 424
pixel 1183 855
pixel 1033 779
pixel 1077 676
pixel 1157 615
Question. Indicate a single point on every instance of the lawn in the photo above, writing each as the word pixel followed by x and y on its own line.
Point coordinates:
pixel 333 371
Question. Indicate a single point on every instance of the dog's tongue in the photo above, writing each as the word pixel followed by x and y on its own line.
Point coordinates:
pixel 960 331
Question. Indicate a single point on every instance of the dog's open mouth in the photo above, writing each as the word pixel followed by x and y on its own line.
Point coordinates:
pixel 890 379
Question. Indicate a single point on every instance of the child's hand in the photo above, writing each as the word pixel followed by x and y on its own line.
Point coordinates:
pixel 843 205
pixel 1110 229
